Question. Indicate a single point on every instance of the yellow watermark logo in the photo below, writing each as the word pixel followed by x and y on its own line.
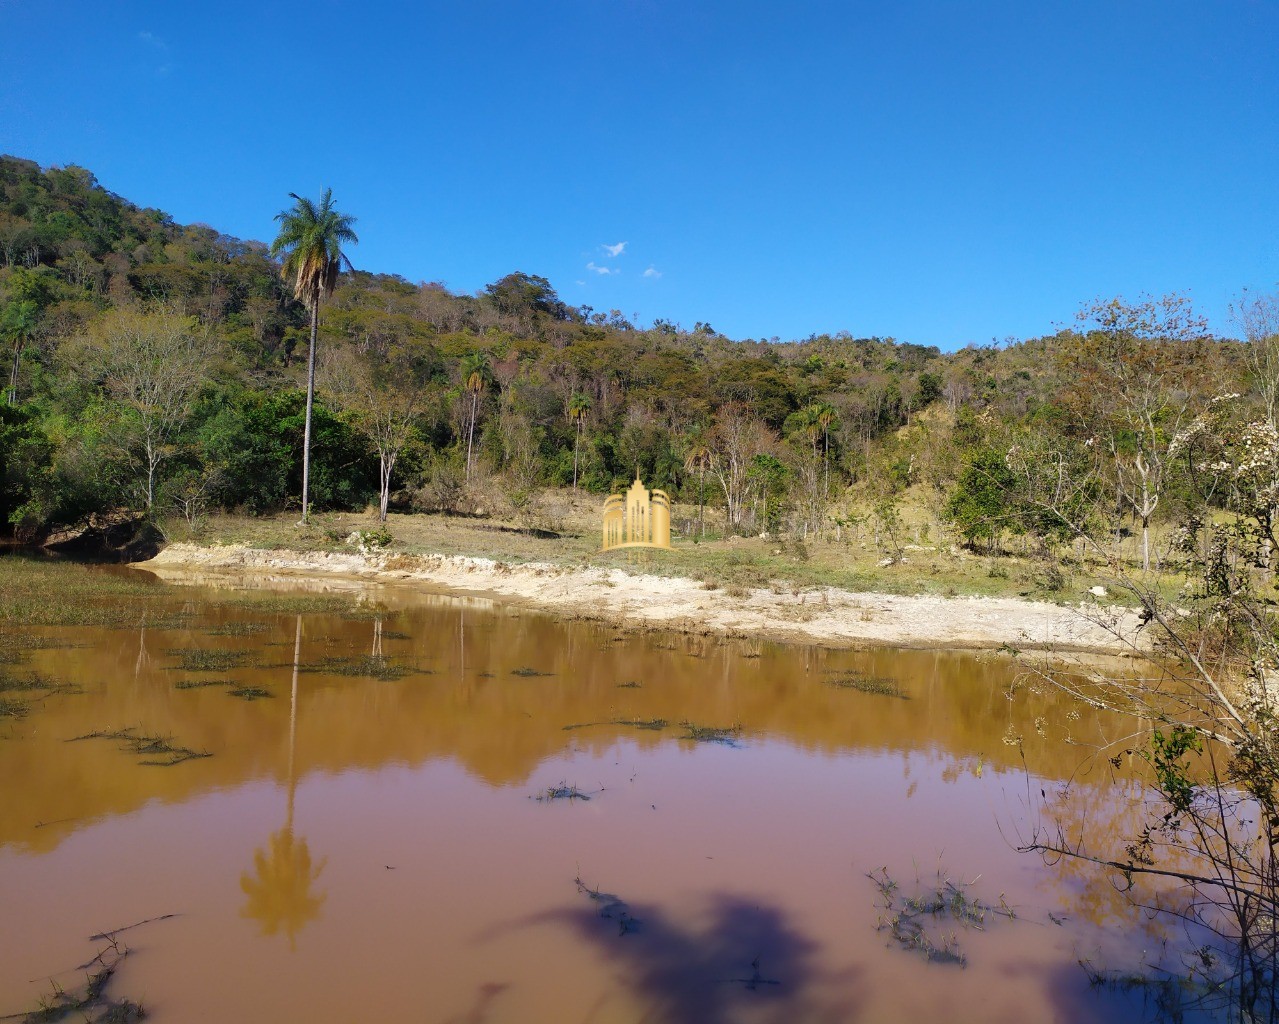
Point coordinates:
pixel 640 518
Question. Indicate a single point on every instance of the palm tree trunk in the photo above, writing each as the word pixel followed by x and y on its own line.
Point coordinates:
pixel 577 440
pixel 470 433
pixel 310 400
pixel 826 458
pixel 13 376
pixel 701 502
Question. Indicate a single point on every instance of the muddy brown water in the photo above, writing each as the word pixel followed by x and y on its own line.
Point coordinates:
pixel 373 846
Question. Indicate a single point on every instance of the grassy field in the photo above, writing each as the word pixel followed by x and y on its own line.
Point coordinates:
pixel 564 529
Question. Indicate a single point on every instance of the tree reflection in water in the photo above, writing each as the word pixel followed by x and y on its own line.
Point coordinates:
pixel 278 894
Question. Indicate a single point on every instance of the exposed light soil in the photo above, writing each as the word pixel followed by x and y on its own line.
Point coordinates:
pixel 825 615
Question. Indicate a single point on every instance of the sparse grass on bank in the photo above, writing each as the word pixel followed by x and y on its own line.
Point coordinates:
pixel 568 535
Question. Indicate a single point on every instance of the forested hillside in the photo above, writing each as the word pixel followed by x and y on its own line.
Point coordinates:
pixel 158 367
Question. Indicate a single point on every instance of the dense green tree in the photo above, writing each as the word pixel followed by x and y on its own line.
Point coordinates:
pixel 980 505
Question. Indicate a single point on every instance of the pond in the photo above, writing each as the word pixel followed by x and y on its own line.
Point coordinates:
pixel 394 805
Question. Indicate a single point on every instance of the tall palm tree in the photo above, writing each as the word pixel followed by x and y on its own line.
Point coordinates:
pixel 578 407
pixel 826 417
pixel 18 323
pixel 696 461
pixel 476 373
pixel 311 239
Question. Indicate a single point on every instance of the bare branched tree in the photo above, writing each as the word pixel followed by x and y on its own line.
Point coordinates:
pixel 152 365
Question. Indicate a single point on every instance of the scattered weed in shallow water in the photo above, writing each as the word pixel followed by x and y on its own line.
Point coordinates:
pixel 881 686
pixel 36 686
pixel 289 604
pixel 611 906
pixel 11 707
pixel 198 684
pixel 365 666
pixel 654 724
pixel 944 903
pixel 710 734
pixel 32 642
pixel 561 792
pixel 250 692
pixel 159 751
pixel 61 1004
pixel 528 673
pixel 632 685
pixel 32 681
pixel 203 659
pixel 238 629
pixel 390 634
pixel 364 614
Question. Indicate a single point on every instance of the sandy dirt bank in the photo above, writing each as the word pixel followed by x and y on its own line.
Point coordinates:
pixel 825 616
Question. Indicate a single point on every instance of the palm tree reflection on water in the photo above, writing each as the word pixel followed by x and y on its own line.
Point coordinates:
pixel 278 894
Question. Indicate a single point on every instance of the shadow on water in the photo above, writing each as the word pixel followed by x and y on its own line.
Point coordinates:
pixel 748 961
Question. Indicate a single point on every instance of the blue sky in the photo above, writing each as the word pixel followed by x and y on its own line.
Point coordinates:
pixel 942 173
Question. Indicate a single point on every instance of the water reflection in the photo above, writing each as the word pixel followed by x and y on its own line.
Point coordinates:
pixel 279 892
pixel 744 865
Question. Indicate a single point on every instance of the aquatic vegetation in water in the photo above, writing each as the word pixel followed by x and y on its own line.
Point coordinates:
pixel 33 684
pixel 363 614
pixel 238 628
pixel 250 692
pixel 368 666
pixel 942 905
pixel 13 708
pixel 203 659
pixel 199 684
pixel 654 724
pixel 611 906
pixel 632 685
pixel 92 999
pixel 528 673
pixel 562 792
pixel 881 686
pixel 710 734
pixel 158 751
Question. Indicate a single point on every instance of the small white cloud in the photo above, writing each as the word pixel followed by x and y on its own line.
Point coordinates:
pixel 652 272
pixel 614 250
pixel 600 270
pixel 151 39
